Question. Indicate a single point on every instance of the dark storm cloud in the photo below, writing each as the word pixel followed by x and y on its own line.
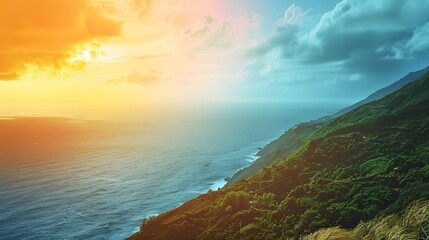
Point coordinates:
pixel 361 36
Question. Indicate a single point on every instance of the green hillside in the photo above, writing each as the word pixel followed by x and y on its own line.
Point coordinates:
pixel 370 162
pixel 411 77
pixel 297 136
pixel 284 146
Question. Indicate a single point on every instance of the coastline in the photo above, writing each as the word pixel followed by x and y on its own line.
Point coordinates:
pixel 250 159
pixel 246 155
pixel 285 144
pixel 263 149
pixel 255 157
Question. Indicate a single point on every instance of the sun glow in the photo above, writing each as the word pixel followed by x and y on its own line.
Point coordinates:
pixel 90 57
pixel 86 54
pixel 79 59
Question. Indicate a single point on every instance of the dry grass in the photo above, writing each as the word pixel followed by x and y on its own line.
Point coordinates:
pixel 412 225
pixel 331 234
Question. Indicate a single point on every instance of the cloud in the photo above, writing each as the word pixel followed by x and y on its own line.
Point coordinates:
pixel 357 37
pixel 202 36
pixel 419 41
pixel 293 15
pixel 137 78
pixel 212 34
pixel 47 32
pixel 142 6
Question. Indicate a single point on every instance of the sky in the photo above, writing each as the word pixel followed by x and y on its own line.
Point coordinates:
pixel 106 58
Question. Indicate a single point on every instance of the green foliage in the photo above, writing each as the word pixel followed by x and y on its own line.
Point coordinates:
pixel 375 166
pixel 236 200
pixel 371 161
pixel 266 200
pixel 249 229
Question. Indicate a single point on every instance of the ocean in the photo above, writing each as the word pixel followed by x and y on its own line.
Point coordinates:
pixel 73 179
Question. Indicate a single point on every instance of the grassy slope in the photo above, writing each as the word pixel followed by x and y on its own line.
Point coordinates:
pixel 282 147
pixel 412 76
pixel 372 160
pixel 412 224
pixel 296 137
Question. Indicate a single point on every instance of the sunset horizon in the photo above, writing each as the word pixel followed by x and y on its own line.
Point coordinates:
pixel 214 119
pixel 101 58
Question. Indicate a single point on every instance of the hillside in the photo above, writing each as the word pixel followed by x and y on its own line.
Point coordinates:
pixel 296 136
pixel 412 76
pixel 413 223
pixel 278 149
pixel 371 161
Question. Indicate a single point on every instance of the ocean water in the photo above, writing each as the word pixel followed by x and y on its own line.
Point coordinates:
pixel 73 179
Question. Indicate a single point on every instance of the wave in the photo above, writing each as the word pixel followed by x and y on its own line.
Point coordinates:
pixel 217 185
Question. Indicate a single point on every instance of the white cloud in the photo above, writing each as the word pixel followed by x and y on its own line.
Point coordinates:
pixel 420 40
pixel 293 15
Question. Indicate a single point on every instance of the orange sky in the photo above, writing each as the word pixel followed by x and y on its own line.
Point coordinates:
pixel 103 58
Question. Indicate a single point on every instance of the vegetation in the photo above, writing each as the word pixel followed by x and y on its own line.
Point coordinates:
pixel 284 146
pixel 298 135
pixel 370 162
pixel 413 224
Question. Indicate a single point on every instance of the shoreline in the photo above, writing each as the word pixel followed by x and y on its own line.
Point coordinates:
pixel 249 158
pixel 252 158
pixel 256 156
pixel 221 183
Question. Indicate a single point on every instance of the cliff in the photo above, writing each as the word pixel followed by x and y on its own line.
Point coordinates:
pixel 371 161
pixel 296 136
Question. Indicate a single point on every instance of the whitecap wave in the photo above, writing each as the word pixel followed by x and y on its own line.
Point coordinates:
pixel 217 185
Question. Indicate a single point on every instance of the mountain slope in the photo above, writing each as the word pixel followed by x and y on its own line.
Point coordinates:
pixel 278 149
pixel 413 223
pixel 296 137
pixel 386 90
pixel 372 160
